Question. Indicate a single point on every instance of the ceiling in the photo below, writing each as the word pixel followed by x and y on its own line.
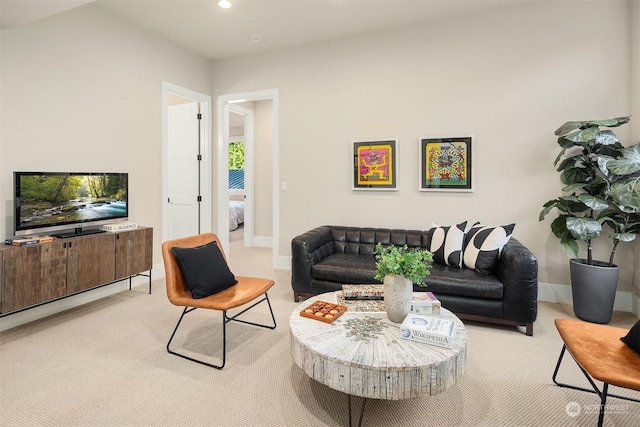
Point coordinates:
pixel 215 33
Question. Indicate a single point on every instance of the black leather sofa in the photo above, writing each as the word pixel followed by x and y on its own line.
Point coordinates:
pixel 325 258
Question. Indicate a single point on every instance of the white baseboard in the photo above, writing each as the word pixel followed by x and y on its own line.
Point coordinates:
pixel 282 263
pixel 560 294
pixel 262 241
pixel 625 301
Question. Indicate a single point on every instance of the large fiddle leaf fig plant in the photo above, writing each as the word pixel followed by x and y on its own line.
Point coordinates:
pixel 601 185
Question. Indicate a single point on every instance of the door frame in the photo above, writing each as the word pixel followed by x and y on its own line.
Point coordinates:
pixel 205 150
pixel 249 163
pixel 222 107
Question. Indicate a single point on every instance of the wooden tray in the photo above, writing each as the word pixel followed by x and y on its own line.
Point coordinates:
pixel 323 311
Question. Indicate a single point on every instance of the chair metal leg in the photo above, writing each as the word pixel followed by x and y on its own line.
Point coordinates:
pixel 234 318
pixel 225 319
pixel 603 403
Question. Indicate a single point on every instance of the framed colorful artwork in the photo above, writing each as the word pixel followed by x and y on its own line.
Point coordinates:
pixel 375 165
pixel 446 164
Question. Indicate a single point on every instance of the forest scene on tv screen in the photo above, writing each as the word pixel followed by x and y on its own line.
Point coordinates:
pixel 61 199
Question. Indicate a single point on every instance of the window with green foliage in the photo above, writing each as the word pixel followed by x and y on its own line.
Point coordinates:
pixel 236 155
pixel 236 165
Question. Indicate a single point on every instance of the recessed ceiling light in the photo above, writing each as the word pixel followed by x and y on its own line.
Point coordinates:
pixel 225 4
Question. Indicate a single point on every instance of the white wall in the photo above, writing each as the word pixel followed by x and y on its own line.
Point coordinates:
pixel 82 91
pixel 84 86
pixel 510 77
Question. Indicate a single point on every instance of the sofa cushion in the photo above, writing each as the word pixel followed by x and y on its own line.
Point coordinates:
pixel 446 244
pixel 483 246
pixel 463 282
pixel 351 268
pixel 346 268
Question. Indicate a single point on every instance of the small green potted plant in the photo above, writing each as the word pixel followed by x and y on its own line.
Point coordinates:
pixel 601 192
pixel 399 268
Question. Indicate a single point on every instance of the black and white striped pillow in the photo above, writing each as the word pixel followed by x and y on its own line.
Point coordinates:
pixel 446 244
pixel 483 245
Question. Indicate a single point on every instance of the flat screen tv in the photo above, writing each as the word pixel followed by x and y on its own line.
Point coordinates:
pixel 67 204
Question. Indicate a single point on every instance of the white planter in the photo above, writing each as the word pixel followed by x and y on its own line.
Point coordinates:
pixel 398 292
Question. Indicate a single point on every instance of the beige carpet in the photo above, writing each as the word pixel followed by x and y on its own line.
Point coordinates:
pixel 105 364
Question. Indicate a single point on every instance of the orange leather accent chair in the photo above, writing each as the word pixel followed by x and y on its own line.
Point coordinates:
pixel 601 356
pixel 245 291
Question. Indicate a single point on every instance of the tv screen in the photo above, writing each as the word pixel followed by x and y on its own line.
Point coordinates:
pixel 46 202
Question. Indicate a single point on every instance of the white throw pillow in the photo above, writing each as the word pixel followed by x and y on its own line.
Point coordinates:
pixel 446 244
pixel 483 246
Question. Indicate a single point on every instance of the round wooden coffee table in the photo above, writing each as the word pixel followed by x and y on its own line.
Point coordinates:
pixel 362 354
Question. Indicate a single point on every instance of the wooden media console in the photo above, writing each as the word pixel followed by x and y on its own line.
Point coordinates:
pixel 38 274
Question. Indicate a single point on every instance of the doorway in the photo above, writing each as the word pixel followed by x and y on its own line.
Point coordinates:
pixel 241 123
pixel 224 104
pixel 186 164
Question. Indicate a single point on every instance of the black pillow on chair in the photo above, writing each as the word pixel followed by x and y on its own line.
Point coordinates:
pixel 632 339
pixel 204 269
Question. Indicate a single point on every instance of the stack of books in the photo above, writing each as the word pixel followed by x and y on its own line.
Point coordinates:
pixel 363 292
pixel 362 298
pixel 429 329
pixel 28 241
pixel 120 226
pixel 371 298
pixel 425 303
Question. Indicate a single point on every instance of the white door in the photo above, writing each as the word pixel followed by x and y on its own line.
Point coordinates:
pixel 183 172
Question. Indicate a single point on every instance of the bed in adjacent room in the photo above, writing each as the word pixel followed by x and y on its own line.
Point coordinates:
pixel 236 214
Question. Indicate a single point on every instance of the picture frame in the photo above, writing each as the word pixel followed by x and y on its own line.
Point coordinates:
pixel 446 163
pixel 375 164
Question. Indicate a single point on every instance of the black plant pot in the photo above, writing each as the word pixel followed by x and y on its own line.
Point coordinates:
pixel 593 288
